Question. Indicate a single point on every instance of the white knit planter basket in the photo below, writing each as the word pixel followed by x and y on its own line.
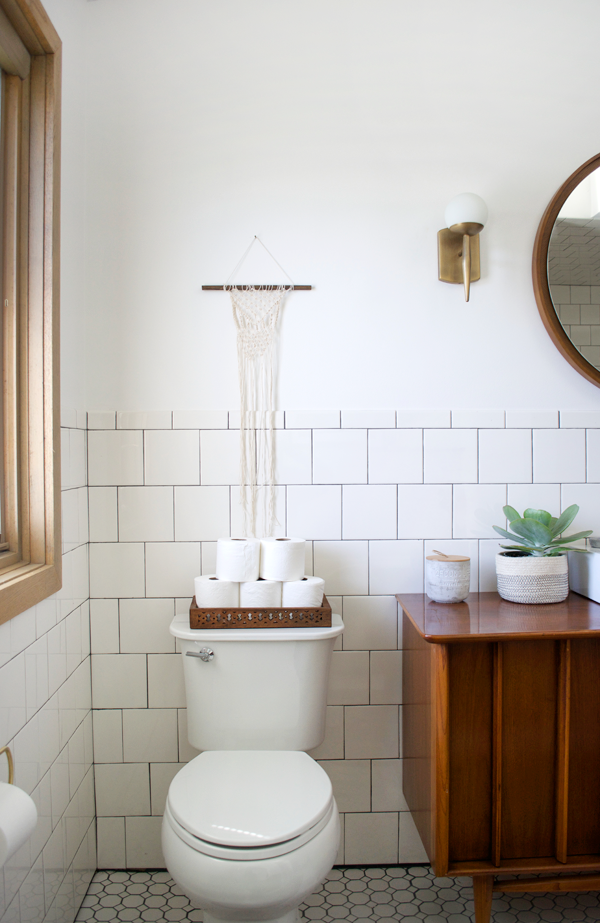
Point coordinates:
pixel 528 579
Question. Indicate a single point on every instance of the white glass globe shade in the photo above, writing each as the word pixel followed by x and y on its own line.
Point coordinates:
pixel 466 208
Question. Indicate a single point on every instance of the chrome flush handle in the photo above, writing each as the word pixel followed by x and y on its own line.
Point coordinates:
pixel 205 654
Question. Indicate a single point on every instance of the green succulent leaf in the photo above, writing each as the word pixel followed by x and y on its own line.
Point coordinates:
pixel 510 513
pixel 565 519
pixel 524 548
pixel 534 531
pixel 572 538
pixel 505 534
pixel 540 515
pixel 541 532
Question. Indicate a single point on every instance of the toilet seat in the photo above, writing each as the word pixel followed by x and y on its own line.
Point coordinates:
pixel 247 853
pixel 249 804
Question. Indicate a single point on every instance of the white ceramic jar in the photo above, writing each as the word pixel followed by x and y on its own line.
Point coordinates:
pixel 448 577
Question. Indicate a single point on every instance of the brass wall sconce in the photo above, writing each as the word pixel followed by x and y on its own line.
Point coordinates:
pixel 458 242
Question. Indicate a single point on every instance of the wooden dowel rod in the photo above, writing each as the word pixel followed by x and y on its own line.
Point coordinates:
pixel 221 288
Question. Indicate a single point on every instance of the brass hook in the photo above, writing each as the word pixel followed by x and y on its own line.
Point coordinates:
pixel 11 765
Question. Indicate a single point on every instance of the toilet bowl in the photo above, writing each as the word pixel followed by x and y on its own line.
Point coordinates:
pixel 248 835
pixel 251 827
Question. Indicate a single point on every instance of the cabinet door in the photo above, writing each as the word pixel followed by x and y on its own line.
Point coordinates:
pixel 471 674
pixel 583 825
pixel 502 752
pixel 503 747
pixel 527 737
pixel 524 751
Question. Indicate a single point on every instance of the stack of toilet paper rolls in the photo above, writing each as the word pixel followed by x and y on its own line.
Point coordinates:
pixel 254 572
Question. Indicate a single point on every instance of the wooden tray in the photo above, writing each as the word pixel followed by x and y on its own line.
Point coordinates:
pixel 261 618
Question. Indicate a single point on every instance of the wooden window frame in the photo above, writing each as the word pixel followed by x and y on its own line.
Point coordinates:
pixel 30 58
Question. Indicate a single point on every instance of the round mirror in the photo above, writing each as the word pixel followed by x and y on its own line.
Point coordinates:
pixel 566 269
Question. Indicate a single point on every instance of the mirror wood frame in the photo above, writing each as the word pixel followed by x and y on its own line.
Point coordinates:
pixel 541 286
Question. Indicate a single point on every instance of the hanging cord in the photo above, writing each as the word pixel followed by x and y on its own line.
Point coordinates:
pixel 239 263
pixel 229 283
pixel 273 258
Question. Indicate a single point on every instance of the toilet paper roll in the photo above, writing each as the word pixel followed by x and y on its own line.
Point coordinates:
pixel 212 593
pixel 306 592
pixel 18 817
pixel 238 559
pixel 260 593
pixel 282 558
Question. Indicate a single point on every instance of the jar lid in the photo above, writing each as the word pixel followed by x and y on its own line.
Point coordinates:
pixel 447 557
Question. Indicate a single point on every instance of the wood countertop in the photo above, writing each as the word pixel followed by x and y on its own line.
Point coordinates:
pixel 488 617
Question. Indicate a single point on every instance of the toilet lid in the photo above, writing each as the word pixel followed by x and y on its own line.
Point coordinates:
pixel 249 797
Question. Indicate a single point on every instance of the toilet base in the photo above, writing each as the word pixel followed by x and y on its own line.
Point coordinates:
pixel 292 916
pixel 251 890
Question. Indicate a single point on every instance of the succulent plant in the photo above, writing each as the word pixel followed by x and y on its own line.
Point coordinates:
pixel 541 531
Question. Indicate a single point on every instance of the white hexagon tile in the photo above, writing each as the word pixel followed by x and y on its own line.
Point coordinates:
pixel 407 894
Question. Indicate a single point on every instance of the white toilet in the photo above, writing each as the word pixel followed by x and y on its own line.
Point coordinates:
pixel 251 827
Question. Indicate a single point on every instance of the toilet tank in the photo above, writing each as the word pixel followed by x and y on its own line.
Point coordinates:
pixel 263 689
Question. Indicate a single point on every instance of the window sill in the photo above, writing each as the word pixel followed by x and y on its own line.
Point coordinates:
pixel 24 585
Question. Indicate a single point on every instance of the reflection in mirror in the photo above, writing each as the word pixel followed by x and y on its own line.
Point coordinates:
pixel 574 267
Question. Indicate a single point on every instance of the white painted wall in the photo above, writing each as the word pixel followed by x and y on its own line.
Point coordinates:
pixel 337 130
pixel 70 20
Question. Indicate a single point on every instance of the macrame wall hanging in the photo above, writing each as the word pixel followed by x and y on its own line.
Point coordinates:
pixel 256 310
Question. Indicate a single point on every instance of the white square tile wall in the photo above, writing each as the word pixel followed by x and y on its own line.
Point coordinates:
pixel 424 510
pixel 558 455
pixel 171 457
pixel 395 456
pixel 339 456
pixel 369 511
pixel 145 514
pixel 115 457
pixel 219 457
pixel 504 456
pixel 201 513
pixel 237 512
pixel 450 456
pixel 45 708
pixel 317 508
pixel 477 508
pixel 373 492
pixel 293 456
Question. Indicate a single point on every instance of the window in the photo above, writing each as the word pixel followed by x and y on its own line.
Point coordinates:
pixel 30 549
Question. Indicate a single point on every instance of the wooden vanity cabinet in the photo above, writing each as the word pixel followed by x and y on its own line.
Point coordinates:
pixel 501 740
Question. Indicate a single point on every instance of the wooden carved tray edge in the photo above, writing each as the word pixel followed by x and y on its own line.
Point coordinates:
pixel 263 617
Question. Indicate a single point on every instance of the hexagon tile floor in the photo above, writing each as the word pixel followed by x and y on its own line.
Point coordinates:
pixel 407 894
